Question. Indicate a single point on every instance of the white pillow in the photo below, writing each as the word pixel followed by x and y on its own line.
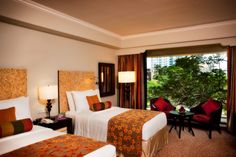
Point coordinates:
pixel 80 100
pixel 21 105
pixel 81 103
pixel 70 101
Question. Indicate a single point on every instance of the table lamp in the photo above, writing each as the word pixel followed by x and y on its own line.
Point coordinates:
pixel 126 77
pixel 48 93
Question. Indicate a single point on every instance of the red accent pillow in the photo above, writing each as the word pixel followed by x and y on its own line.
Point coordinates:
pixel 100 106
pixel 161 104
pixel 15 127
pixel 210 106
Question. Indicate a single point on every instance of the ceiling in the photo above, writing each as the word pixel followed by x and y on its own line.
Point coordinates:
pixel 129 17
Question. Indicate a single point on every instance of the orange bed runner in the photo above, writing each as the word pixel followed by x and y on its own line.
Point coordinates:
pixel 125 131
pixel 64 145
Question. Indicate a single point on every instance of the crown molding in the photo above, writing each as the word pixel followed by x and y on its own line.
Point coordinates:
pixel 40 7
pixel 189 28
pixel 229 41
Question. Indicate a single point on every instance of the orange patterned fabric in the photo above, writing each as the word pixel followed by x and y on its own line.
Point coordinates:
pixel 13 83
pixel 92 99
pixel 64 145
pixel 73 81
pixel 125 131
pixel 7 115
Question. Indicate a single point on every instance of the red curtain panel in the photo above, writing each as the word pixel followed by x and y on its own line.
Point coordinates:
pixel 132 63
pixel 231 95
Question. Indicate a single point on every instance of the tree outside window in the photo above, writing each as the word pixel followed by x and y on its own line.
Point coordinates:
pixel 190 80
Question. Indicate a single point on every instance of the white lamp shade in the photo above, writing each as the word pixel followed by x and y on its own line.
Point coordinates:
pixel 48 92
pixel 126 76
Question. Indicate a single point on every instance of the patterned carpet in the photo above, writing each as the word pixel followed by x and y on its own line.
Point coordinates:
pixel 221 145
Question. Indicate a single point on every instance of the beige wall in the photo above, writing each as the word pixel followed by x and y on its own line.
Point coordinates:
pixel 43 54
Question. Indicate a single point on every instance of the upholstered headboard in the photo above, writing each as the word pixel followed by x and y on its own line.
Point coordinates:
pixel 73 81
pixel 13 83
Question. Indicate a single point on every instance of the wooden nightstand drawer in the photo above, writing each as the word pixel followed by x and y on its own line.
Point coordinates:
pixel 62 130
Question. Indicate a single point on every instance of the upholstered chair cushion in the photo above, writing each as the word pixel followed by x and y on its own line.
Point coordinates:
pixel 210 106
pixel 201 118
pixel 161 104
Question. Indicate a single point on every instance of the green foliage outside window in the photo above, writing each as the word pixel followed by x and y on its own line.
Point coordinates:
pixel 191 80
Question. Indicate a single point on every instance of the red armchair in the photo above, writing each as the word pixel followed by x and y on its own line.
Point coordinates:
pixel 208 113
pixel 161 104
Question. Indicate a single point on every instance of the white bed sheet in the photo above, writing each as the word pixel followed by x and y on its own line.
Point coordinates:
pixel 38 133
pixel 95 124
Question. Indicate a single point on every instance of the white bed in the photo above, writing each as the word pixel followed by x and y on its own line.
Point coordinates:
pixel 94 124
pixel 38 133
pixel 74 86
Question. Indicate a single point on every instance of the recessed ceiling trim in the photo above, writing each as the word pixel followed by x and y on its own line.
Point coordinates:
pixel 197 27
pixel 36 5
pixel 51 31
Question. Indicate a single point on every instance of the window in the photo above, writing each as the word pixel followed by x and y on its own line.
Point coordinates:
pixel 188 79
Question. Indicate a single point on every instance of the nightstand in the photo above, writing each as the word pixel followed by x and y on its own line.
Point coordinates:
pixel 57 125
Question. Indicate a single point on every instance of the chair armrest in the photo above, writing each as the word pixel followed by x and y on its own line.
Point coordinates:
pixel 216 116
pixel 153 107
pixel 152 101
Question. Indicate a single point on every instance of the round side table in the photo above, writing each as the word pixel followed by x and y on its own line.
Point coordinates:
pixel 181 117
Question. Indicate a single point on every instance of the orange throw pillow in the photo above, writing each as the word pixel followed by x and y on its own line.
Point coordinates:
pixel 92 99
pixel 7 115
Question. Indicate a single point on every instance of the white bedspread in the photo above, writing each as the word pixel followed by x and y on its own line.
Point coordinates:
pixel 39 133
pixel 95 124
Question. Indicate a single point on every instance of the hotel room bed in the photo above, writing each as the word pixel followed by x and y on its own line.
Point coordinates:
pixel 37 134
pixel 95 124
pixel 21 137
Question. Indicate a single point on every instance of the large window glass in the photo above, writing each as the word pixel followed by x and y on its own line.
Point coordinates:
pixel 188 79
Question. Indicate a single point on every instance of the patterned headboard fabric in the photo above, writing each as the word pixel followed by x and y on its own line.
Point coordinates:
pixel 73 81
pixel 13 83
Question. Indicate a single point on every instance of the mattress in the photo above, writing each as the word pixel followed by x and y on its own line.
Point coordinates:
pixel 95 124
pixel 38 133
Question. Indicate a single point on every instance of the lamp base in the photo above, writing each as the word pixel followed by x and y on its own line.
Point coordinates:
pixel 49 107
pixel 127 94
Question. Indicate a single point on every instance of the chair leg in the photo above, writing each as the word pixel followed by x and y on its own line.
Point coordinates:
pixel 209 132
pixel 218 129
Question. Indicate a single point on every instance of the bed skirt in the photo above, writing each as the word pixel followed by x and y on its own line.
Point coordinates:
pixel 151 147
